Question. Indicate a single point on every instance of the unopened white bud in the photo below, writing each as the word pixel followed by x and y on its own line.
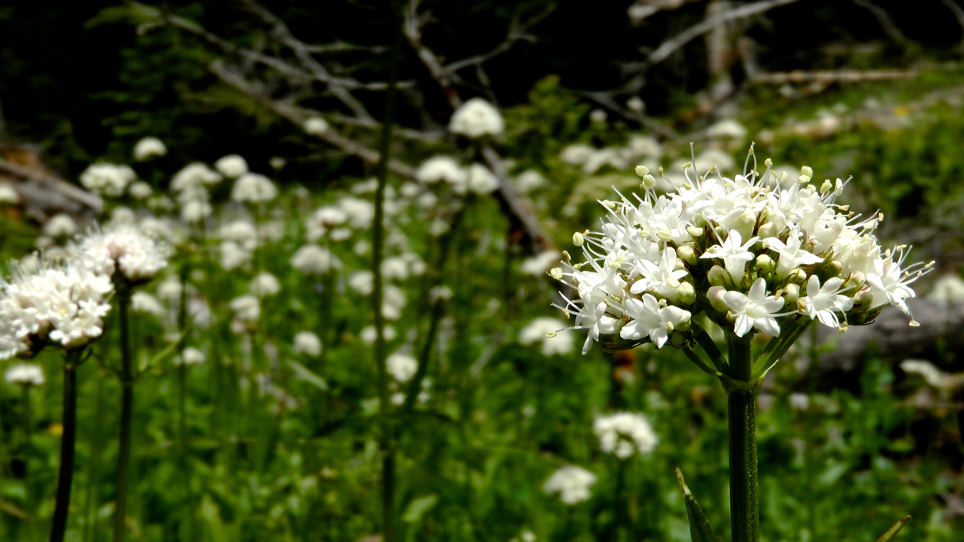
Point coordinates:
pixel 767 230
pixel 790 293
pixel 764 263
pixel 686 293
pixel 694 231
pixel 715 296
pixel 686 253
pixel 745 224
pixel 717 275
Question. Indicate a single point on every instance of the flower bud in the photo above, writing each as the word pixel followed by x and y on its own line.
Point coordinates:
pixel 764 264
pixel 836 267
pixel 797 275
pixel 715 295
pixel 677 339
pixel 687 254
pixel 694 231
pixel 791 292
pixel 717 275
pixel 686 293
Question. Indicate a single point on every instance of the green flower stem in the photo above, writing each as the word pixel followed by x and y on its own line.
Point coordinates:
pixel 93 465
pixel 126 410
pixel 25 458
pixel 741 415
pixel 386 446
pixel 65 473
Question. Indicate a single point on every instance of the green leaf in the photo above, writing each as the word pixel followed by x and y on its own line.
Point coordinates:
pixel 303 373
pixel 418 507
pixel 892 532
pixel 700 530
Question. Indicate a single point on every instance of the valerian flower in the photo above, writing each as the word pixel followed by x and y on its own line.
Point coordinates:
pixel 755 253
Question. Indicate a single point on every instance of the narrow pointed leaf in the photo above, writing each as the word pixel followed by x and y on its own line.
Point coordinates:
pixel 892 532
pixel 700 530
pixel 305 374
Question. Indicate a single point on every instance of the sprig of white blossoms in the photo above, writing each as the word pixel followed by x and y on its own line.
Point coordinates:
pixel 624 434
pixel 755 253
pixel 571 483
pixel 62 303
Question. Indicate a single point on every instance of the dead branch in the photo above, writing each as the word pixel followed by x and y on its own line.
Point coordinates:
pixel 884 20
pixel 643 9
pixel 46 195
pixel 828 77
pixel 670 46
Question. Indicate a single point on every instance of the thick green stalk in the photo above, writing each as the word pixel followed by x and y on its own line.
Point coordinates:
pixel 65 473
pixel 126 410
pixel 25 459
pixel 741 410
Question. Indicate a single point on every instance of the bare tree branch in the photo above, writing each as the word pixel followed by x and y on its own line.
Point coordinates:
pixel 643 9
pixel 886 23
pixel 839 76
pixel 670 46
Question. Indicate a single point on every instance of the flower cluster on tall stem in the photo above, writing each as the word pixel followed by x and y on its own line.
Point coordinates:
pixel 754 254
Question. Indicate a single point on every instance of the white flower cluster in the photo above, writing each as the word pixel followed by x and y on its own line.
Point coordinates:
pixel 625 433
pixel 25 374
pixel 108 179
pixel 571 483
pixel 148 147
pixel 124 249
pixel 190 188
pixel 44 302
pixel 476 118
pixel 755 253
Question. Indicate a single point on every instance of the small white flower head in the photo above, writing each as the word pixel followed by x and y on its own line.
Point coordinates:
pixel 61 303
pixel 247 309
pixel 8 195
pixel 825 302
pixel 315 126
pixel 401 366
pixel 440 168
pixel 231 166
pixel 107 179
pixel 264 284
pixel 544 332
pixel 481 180
pixel 727 129
pixel 539 264
pixel 149 147
pixel 597 116
pixel 367 334
pixel 123 251
pixel 635 104
pixel 190 356
pixel 140 190
pixel 145 303
pixel 624 434
pixel 476 118
pixel 253 188
pixel 314 260
pixel 529 180
pixel 194 176
pixel 359 213
pixel 571 483
pixel 25 374
pixel 948 289
pixel 60 226
pixel 307 343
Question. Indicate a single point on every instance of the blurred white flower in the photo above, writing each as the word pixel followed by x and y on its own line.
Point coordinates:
pixel 247 308
pixel 367 334
pixel 193 176
pixel 107 179
pixel 25 374
pixel 231 166
pixel 624 434
pixel 597 116
pixel 148 147
pixel 253 188
pixel 264 284
pixel 543 330
pixel 481 180
pixel 124 249
pixel 635 104
pixel 476 118
pixel 926 370
pixel 140 190
pixel 190 356
pixel 145 303
pixel 571 483
pixel 59 226
pixel 314 260
pixel 726 128
pixel 539 264
pixel 307 343
pixel 401 366
pixel 8 194
pixel 440 168
pixel 947 288
pixel 529 180
pixel 316 126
